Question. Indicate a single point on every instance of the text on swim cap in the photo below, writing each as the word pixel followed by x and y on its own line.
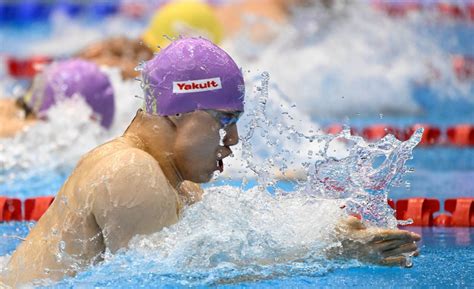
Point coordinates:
pixel 197 85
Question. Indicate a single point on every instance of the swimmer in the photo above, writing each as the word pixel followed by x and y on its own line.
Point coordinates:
pixel 260 17
pixel 175 19
pixel 132 185
pixel 62 79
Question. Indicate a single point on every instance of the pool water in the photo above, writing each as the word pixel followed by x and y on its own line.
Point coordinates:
pixel 446 261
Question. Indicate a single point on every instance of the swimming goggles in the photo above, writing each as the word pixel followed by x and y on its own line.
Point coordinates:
pixel 225 118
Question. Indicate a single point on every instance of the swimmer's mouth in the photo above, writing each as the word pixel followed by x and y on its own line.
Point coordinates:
pixel 220 165
pixel 220 158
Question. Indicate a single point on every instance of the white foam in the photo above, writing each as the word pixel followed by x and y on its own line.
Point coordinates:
pixel 353 61
pixel 229 235
pixel 68 35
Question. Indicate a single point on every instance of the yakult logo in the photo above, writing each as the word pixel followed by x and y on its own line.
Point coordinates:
pixel 197 85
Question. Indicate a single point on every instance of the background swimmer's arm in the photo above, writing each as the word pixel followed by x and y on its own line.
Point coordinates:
pixel 119 51
pixel 138 200
pixel 372 244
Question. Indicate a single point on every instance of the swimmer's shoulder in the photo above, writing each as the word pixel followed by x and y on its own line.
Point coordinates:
pixel 106 150
pixel 134 178
pixel 133 157
pixel 113 169
pixel 115 156
pixel 125 156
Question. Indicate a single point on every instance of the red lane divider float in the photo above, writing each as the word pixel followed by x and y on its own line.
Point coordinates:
pixel 36 207
pixel 337 128
pixel 457 11
pixel 391 203
pixel 431 134
pixel 26 67
pixel 461 135
pixel 378 131
pixel 454 11
pixel 10 209
pixel 462 213
pixel 420 210
pixel 463 67
pixel 398 9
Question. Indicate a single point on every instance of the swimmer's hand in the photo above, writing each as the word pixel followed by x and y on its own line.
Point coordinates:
pixel 374 245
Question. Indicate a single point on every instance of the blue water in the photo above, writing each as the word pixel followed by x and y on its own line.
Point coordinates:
pixel 446 260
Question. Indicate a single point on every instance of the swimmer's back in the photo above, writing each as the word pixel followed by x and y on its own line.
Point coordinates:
pixel 116 191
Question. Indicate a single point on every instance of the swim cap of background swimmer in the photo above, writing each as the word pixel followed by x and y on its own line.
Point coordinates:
pixel 66 78
pixel 183 18
pixel 192 74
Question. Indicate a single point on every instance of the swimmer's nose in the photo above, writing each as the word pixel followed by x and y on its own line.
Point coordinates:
pixel 232 136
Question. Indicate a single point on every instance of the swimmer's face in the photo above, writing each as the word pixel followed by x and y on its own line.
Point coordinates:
pixel 197 151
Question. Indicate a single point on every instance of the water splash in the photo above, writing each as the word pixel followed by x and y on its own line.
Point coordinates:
pixel 347 63
pixel 47 145
pixel 236 235
pixel 338 166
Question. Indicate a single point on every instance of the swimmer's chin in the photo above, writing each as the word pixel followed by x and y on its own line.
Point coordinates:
pixel 204 178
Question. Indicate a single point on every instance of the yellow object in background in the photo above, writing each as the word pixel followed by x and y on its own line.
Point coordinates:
pixel 186 18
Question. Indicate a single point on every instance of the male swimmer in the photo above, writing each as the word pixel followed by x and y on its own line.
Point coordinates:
pixel 191 18
pixel 131 185
pixel 62 79
pixel 175 19
pixel 259 18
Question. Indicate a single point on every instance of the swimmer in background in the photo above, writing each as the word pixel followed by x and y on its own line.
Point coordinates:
pixel 190 18
pixel 132 185
pixel 62 79
pixel 259 18
pixel 175 19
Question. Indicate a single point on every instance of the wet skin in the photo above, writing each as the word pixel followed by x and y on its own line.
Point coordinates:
pixel 133 185
pixel 258 19
pixel 120 52
pixel 12 118
pixel 137 185
pixel 374 245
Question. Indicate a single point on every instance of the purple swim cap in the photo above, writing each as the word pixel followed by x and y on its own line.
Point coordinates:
pixel 192 74
pixel 66 78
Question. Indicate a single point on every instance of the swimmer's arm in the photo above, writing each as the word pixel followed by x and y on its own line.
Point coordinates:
pixel 138 201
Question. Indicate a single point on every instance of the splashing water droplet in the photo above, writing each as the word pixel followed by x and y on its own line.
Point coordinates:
pixel 140 66
pixel 222 134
